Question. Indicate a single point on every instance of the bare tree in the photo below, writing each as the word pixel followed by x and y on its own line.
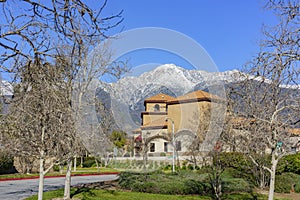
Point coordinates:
pixel 235 138
pixel 82 85
pixel 268 96
pixel 206 124
pixel 39 123
pixel 36 33
pixel 200 125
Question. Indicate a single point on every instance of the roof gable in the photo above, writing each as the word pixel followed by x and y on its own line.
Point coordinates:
pixel 159 98
pixel 198 95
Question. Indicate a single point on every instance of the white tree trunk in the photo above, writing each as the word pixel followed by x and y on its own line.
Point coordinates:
pixel 75 163
pixel 272 179
pixel 67 191
pixel 61 168
pixel 81 161
pixel 262 183
pixel 272 185
pixel 97 164
pixel 41 178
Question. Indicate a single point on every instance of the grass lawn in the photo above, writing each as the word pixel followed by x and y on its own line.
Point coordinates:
pixel 94 170
pixel 151 182
pixel 91 170
pixel 92 194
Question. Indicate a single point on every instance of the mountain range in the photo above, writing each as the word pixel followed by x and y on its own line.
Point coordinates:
pixel 123 100
pixel 126 96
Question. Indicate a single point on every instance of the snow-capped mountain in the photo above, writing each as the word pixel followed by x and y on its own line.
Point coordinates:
pixel 6 88
pixel 176 80
pixel 6 92
pixel 128 94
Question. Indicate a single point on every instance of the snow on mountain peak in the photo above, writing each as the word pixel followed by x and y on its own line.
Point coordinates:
pixel 131 91
pixel 174 79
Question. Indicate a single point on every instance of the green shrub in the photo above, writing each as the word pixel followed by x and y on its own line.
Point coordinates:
pixel 297 187
pixel 148 187
pixel 182 183
pixel 234 160
pixel 89 162
pixel 196 187
pixel 190 167
pixel 289 163
pixel 242 166
pixel 236 185
pixel 163 154
pixel 152 186
pixel 128 179
pixel 167 167
pixel 56 168
pixel 285 181
pixel 171 187
pixel 6 163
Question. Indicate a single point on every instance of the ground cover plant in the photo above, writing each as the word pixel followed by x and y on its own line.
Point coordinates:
pixel 181 183
pixel 185 184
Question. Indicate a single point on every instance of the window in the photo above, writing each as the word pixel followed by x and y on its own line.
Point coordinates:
pixel 156 107
pixel 178 145
pixel 166 146
pixel 152 147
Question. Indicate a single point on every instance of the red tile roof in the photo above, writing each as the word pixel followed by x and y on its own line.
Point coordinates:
pixel 159 98
pixel 198 95
pixel 295 131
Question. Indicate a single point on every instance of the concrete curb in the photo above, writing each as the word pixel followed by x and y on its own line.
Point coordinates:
pixel 58 176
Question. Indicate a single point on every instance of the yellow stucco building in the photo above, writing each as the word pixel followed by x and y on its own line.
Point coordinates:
pixel 190 114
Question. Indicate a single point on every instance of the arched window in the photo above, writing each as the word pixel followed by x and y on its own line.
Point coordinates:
pixel 156 107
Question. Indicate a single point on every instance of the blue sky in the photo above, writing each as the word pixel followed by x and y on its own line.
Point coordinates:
pixel 228 30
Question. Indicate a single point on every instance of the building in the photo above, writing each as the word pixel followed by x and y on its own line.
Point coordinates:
pixel 187 116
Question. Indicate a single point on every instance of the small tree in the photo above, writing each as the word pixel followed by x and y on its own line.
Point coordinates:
pixel 268 95
pixel 39 124
pixel 118 138
pixel 215 169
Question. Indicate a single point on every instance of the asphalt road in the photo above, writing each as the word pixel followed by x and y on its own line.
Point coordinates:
pixel 20 189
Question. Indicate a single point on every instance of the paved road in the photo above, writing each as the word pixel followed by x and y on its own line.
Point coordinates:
pixel 15 190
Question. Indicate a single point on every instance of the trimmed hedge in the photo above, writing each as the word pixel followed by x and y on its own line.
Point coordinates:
pixel 289 163
pixel 182 183
pixel 6 163
pixel 88 162
pixel 236 185
pixel 285 182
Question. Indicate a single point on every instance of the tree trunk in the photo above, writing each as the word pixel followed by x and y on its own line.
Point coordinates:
pixel 41 178
pixel 272 178
pixel 97 164
pixel 68 180
pixel 272 185
pixel 81 161
pixel 75 163
pixel 145 156
pixel 262 181
pixel 61 168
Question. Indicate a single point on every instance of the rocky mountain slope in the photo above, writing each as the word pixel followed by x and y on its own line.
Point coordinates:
pixel 126 96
